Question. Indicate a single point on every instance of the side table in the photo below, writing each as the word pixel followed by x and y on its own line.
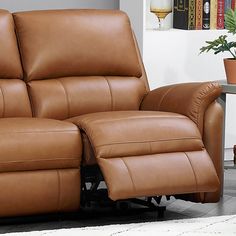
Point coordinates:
pixel 227 89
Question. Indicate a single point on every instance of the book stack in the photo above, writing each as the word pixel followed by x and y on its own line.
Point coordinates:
pixel 200 14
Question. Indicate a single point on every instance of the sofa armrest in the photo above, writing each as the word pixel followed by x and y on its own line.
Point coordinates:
pixel 212 139
pixel 189 99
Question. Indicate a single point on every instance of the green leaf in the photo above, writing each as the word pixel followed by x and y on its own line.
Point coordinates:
pixel 214 45
pixel 230 21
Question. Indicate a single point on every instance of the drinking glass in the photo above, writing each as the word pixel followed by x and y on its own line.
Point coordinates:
pixel 161 8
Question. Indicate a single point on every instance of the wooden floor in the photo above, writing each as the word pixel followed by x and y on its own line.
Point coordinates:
pixel 176 209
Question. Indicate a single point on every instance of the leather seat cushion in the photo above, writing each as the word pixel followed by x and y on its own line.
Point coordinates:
pixel 133 133
pixel 34 144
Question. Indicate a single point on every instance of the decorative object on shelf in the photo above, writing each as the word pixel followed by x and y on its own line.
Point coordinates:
pixel 184 14
pixel 230 70
pixel 161 8
pixel 221 44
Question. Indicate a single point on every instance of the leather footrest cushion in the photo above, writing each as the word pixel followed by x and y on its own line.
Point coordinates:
pixel 159 174
pixel 36 144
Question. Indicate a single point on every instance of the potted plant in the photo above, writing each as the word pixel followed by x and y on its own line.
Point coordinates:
pixel 222 44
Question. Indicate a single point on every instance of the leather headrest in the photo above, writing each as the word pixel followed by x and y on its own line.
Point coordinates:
pixel 61 43
pixel 10 65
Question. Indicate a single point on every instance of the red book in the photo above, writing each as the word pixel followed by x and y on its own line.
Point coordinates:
pixel 233 4
pixel 198 14
pixel 220 14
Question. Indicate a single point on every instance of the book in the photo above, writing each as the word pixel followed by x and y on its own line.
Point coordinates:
pixel 198 14
pixel 220 14
pixel 233 4
pixel 184 14
pixel 227 5
pixel 213 14
pixel 191 14
pixel 206 15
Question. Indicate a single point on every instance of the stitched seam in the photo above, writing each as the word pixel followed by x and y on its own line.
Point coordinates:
pixel 129 174
pixel 31 101
pixel 67 97
pixel 38 132
pixel 59 191
pixel 192 170
pixel 131 118
pixel 166 93
pixel 3 103
pixel 19 47
pixel 200 106
pixel 109 85
pixel 156 141
pixel 86 132
pixel 42 160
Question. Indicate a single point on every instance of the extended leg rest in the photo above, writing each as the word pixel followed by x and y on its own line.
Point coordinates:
pixel 146 154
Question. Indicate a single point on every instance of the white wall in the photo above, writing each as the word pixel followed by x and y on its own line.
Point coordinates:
pixel 136 18
pixel 24 5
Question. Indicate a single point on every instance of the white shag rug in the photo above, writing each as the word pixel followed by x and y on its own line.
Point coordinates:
pixel 221 225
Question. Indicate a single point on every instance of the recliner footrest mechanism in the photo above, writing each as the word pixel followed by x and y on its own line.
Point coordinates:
pixel 91 193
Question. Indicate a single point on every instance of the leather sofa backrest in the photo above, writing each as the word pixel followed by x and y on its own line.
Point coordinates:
pixel 14 100
pixel 79 61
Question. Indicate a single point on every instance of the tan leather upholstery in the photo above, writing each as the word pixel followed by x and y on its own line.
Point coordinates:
pixel 129 133
pixel 191 99
pixel 195 100
pixel 34 144
pixel 104 75
pixel 144 75
pixel 212 138
pixel 39 192
pixel 159 174
pixel 72 96
pixel 127 146
pixel 84 67
pixel 88 156
pixel 14 100
pixel 76 43
pixel 10 65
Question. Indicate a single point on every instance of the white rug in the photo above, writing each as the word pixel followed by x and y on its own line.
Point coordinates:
pixel 222 225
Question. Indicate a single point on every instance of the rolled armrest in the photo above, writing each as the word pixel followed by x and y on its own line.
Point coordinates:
pixel 189 99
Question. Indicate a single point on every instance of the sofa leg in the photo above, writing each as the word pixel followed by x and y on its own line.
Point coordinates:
pixel 161 211
pixel 148 203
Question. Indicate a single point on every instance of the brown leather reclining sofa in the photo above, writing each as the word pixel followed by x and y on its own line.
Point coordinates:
pixel 74 94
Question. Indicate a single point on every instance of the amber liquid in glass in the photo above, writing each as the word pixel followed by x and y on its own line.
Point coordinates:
pixel 161 13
